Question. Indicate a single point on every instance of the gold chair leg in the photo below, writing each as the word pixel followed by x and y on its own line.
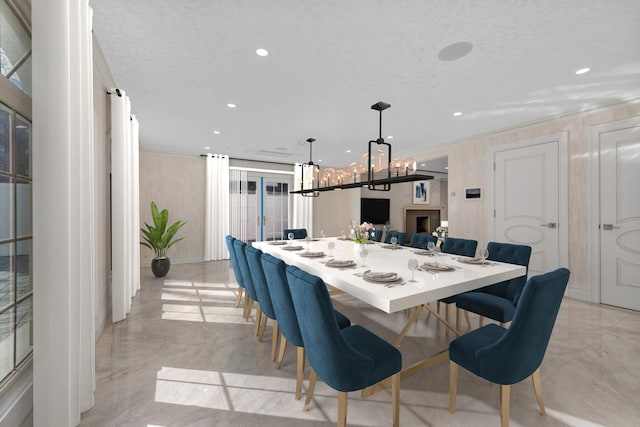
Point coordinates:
pixel 342 408
pixel 283 347
pixel 536 387
pixel 395 398
pixel 263 325
pixel 458 316
pixel 313 377
pixel 502 324
pixel 300 376
pixel 447 318
pixel 466 316
pixel 274 339
pixel 248 307
pixel 438 307
pixel 240 292
pixel 256 332
pixel 481 321
pixel 504 405
pixel 453 386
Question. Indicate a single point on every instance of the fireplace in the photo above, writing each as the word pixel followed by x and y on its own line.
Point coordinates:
pixel 421 220
pixel 422 224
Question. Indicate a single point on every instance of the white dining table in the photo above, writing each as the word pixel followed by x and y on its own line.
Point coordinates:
pixel 429 286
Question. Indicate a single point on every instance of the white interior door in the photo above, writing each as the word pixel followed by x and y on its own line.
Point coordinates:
pixel 526 201
pixel 620 217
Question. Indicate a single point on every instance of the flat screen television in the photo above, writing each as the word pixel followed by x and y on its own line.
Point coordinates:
pixel 375 211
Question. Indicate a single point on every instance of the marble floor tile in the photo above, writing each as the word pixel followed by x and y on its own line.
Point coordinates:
pixel 185 357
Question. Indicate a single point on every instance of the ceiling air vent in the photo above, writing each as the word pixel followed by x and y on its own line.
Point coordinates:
pixel 274 153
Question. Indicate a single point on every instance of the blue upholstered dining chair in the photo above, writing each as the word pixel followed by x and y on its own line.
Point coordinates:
pixel 346 359
pixel 377 236
pixel 457 246
pixel 498 301
pixel 421 240
pixel 265 307
pixel 275 273
pixel 401 235
pixel 462 247
pixel 236 269
pixel 298 233
pixel 508 356
pixel 249 289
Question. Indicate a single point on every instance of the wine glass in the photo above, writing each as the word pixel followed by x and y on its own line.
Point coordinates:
pixel 290 237
pixel 331 245
pixel 322 234
pixel 342 234
pixel 413 266
pixel 483 254
pixel 393 241
pixel 431 246
pixel 363 252
pixel 307 241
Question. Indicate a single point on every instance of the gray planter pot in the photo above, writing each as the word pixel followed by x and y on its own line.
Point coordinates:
pixel 160 266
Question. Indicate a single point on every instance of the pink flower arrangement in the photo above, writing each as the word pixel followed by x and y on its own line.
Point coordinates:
pixel 360 233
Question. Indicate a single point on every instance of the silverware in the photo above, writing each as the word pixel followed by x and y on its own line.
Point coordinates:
pixel 361 274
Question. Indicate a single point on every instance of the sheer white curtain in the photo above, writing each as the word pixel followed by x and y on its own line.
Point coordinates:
pixel 302 206
pixel 217 207
pixel 64 181
pixel 239 204
pixel 125 212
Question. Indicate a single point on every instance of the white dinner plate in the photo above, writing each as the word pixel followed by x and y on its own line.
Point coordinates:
pixel 380 277
pixel 309 254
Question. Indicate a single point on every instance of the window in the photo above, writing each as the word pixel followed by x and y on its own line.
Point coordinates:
pixel 16 284
pixel 16 260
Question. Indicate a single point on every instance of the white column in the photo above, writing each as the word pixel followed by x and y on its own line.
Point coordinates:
pixel 135 169
pixel 62 179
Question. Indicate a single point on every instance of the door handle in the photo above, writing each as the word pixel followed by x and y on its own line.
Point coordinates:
pixel 264 220
pixel 550 225
pixel 608 227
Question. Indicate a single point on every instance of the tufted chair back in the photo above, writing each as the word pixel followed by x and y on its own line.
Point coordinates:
pixel 421 240
pixel 401 235
pixel 513 254
pixel 463 247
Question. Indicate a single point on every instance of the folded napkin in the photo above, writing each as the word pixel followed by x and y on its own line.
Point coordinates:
pixel 312 254
pixel 340 263
pixel 423 252
pixel 434 266
pixel 474 261
pixel 278 242
pixel 291 248
pixel 380 275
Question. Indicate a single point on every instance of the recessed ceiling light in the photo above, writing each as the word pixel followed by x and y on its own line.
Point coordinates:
pixel 217 132
pixel 446 167
pixel 455 51
pixel 348 151
pixel 319 160
pixel 262 52
pixel 207 148
pixel 583 70
pixel 390 137
pixel 231 105
pixel 423 164
pixel 457 113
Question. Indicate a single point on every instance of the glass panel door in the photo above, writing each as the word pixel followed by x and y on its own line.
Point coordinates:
pixel 268 207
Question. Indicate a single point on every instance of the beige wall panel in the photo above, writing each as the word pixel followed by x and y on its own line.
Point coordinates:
pixel 176 183
pixel 467 168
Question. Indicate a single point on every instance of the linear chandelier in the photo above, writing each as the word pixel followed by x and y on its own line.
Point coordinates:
pixel 312 180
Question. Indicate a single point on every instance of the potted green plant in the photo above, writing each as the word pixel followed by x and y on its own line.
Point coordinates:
pixel 159 238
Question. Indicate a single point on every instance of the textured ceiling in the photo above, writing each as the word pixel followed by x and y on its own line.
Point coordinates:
pixel 182 61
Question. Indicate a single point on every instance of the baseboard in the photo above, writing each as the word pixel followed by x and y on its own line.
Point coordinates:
pixel 146 262
pixel 101 322
pixel 17 404
pixel 583 294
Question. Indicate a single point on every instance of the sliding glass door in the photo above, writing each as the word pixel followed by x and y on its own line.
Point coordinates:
pixel 260 205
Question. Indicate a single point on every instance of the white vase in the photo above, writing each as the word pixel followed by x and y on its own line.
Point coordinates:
pixel 356 250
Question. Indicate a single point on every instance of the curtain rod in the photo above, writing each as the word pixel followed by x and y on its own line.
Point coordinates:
pixel 117 93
